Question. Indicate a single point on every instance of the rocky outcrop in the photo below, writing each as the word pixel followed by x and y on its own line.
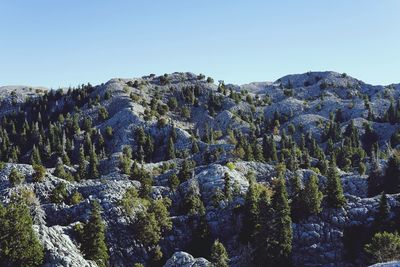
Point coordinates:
pixel 183 259
pixel 61 251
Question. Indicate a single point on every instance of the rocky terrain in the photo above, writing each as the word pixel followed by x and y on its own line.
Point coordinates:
pixel 205 120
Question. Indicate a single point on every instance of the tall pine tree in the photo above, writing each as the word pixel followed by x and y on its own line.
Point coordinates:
pixel 334 190
pixel 93 240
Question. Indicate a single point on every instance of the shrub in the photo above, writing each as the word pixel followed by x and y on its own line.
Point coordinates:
pixel 19 244
pixel 59 193
pixel 16 177
pixel 103 113
pixel 76 198
pixel 231 165
pixel 40 171
pixel 384 247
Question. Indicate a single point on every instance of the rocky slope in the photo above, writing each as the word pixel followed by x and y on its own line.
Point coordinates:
pixel 306 101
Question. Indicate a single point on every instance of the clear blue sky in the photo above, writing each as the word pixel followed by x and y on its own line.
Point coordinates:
pixel 68 42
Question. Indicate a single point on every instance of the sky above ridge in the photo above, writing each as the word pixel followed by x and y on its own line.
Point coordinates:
pixel 65 43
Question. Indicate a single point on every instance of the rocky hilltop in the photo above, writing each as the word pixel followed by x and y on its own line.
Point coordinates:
pixel 176 162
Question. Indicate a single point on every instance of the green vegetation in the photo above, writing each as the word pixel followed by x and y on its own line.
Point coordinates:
pixel 19 245
pixel 94 245
pixel 384 247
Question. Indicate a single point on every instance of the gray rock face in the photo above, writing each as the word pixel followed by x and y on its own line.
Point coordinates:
pixel 183 259
pixel 61 251
pixel 305 100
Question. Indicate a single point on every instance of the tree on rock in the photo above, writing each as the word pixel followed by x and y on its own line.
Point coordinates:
pixel 15 177
pixel 93 240
pixel 93 165
pixel 334 190
pixel 312 196
pixel 19 245
pixel 384 247
pixel 219 257
pixel 281 237
pixel 170 149
pixel 381 220
pixel 391 179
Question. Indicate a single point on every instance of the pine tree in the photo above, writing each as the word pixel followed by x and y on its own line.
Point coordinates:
pixel 60 171
pixel 15 177
pixel 281 238
pixel 19 245
pixel 93 165
pixel 170 149
pixel 312 196
pixel 334 190
pixel 219 257
pixel 261 243
pixel 186 171
pixel 93 239
pixel 35 156
pixel 227 187
pixel 81 172
pixel 251 212
pixel 381 220
pixel 173 181
pixel 391 180
pixel 297 205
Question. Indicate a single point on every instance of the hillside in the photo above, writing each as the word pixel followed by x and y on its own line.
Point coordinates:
pixel 282 173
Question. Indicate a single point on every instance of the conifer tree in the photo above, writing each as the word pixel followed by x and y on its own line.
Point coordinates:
pixel 334 190
pixel 219 257
pixel 227 187
pixel 35 156
pixel 391 179
pixel 93 165
pixel 93 240
pixel 81 172
pixel 60 171
pixel 312 196
pixel 170 149
pixel 15 177
pixel 381 220
pixel 297 204
pixel 251 212
pixel 173 181
pixel 281 237
pixel 19 245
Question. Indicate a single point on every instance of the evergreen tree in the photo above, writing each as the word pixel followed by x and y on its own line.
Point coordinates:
pixel 93 240
pixel 219 257
pixel 93 165
pixel 173 181
pixel 227 187
pixel 35 156
pixel 334 190
pixel 15 177
pixel 391 179
pixel 251 212
pixel 261 243
pixel 384 247
pixel 81 172
pixel 60 171
pixel 186 170
pixel 59 193
pixel 281 237
pixel 201 242
pixel 170 149
pixel 374 178
pixel 39 174
pixel 312 196
pixel 19 245
pixel 381 220
pixel 297 204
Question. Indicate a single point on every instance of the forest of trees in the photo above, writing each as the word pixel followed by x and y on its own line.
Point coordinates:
pixel 46 135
